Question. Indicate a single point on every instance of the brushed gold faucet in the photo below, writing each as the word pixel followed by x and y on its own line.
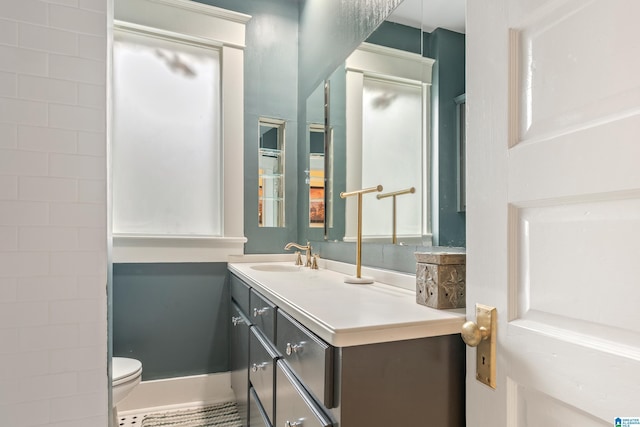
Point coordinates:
pixel 306 248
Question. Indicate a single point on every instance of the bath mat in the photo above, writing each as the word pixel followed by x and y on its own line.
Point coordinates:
pixel 219 415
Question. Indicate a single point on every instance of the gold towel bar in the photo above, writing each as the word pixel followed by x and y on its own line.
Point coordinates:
pixel 397 193
pixel 363 191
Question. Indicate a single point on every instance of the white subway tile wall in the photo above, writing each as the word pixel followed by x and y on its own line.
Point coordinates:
pixel 8 85
pixel 53 213
pixel 8 32
pixel 8 135
pixel 35 138
pixel 48 39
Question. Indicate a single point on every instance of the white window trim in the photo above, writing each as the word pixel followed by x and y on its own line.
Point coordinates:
pixel 205 25
pixel 370 60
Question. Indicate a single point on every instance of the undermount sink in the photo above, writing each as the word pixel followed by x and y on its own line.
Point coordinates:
pixel 276 267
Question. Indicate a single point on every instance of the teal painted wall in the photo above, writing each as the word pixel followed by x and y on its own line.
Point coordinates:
pixel 172 317
pixel 398 36
pixel 271 90
pixel 448 49
pixel 330 30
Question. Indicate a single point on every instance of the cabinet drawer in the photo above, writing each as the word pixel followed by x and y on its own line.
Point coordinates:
pixel 257 416
pixel 239 292
pixel 262 359
pixel 309 357
pixel 262 313
pixel 294 404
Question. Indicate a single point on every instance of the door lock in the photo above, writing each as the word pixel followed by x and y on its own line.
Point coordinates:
pixel 483 336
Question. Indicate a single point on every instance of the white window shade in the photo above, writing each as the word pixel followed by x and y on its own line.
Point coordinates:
pixel 392 155
pixel 166 140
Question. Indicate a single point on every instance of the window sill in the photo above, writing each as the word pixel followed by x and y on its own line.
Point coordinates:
pixel 129 248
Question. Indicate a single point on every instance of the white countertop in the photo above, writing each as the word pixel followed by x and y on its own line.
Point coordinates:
pixel 345 314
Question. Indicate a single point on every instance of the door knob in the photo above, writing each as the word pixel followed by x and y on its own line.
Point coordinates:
pixel 472 334
pixel 482 335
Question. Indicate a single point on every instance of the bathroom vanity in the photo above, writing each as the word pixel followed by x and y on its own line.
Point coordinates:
pixel 309 350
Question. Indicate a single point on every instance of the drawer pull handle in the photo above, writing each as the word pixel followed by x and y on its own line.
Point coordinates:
pixel 294 348
pixel 293 423
pixel 260 311
pixel 258 366
pixel 237 320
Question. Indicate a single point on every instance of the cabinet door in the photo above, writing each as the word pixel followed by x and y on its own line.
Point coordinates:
pixel 295 406
pixel 239 359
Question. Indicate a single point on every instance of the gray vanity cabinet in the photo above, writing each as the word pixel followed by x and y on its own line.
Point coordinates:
pixel 297 379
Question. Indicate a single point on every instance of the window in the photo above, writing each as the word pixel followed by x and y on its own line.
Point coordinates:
pixel 176 146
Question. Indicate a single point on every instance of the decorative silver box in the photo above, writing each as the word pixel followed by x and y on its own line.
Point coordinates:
pixel 441 279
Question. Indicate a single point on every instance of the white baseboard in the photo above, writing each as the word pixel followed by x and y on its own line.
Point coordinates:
pixel 174 393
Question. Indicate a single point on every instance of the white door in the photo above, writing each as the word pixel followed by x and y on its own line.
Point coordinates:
pixel 553 208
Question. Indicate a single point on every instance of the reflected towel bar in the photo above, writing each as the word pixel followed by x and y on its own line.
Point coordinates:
pixel 358 278
pixel 411 190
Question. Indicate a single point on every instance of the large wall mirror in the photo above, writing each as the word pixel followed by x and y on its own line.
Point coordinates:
pixel 394 121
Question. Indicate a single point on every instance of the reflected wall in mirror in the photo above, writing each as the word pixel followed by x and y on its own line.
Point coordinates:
pixel 271 173
pixel 323 140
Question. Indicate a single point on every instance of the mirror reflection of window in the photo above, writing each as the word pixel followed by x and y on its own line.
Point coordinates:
pixel 316 176
pixel 392 154
pixel 387 110
pixel 271 173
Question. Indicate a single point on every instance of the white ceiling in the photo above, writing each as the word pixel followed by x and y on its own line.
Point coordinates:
pixel 449 14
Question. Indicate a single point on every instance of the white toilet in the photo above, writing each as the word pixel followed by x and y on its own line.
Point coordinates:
pixel 126 374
